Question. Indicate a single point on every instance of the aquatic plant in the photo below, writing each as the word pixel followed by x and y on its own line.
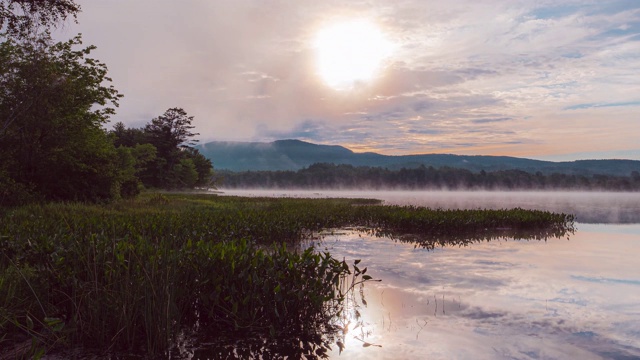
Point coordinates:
pixel 428 228
pixel 138 274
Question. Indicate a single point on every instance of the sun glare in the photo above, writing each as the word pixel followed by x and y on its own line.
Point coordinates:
pixel 349 53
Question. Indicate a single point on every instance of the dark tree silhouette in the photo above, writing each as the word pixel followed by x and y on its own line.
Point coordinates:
pixel 171 130
pixel 21 17
pixel 331 176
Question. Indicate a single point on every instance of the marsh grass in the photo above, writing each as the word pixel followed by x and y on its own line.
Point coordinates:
pixel 137 273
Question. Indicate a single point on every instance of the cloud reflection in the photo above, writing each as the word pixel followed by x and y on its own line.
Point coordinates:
pixel 522 300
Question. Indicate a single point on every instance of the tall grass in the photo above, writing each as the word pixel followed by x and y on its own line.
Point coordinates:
pixel 136 274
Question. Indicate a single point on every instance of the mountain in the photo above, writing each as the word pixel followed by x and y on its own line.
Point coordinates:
pixel 296 154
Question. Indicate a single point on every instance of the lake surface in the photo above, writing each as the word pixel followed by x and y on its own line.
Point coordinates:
pixel 569 298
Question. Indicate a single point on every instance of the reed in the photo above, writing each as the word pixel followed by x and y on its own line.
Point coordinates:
pixel 137 274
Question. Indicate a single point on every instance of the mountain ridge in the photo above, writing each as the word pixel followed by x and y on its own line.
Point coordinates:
pixel 292 154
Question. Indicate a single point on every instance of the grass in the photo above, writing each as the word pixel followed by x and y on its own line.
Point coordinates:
pixel 139 274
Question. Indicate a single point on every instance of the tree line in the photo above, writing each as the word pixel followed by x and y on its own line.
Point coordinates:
pixel 331 176
pixel 161 154
pixel 55 101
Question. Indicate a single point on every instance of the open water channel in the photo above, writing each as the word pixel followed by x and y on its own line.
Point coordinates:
pixel 568 298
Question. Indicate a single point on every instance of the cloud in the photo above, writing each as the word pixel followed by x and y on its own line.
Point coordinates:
pixel 463 78
pixel 478 313
pixel 308 130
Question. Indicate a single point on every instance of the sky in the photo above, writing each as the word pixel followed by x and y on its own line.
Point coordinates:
pixel 554 80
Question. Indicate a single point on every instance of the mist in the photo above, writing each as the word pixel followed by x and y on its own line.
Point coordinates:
pixel 588 207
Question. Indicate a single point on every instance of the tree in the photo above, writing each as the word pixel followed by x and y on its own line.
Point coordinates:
pixel 129 184
pixel 171 134
pixel 53 105
pixel 161 153
pixel 129 137
pixel 171 131
pixel 186 174
pixel 133 161
pixel 21 17
pixel 203 167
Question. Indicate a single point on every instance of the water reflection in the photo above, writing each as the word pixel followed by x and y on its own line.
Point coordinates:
pixel 314 347
pixel 500 299
pixel 503 299
pixel 432 241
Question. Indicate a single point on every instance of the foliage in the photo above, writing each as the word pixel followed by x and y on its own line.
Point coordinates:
pixel 21 17
pixel 129 137
pixel 174 164
pixel 14 194
pixel 53 136
pixel 330 176
pixel 54 102
pixel 129 185
pixel 429 228
pixel 53 105
pixel 170 131
pixel 203 167
pixel 138 272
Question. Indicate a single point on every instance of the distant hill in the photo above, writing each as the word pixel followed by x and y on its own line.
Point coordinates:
pixel 296 154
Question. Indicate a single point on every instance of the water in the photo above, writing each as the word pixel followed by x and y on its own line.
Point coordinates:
pixel 507 299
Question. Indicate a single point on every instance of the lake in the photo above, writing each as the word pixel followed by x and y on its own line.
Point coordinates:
pixel 568 298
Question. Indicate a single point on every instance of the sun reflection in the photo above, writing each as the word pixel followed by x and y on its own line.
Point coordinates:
pixel 350 53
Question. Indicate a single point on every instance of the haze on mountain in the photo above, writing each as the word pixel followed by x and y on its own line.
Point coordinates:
pixel 295 154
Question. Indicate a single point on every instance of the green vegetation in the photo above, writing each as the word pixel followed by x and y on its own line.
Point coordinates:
pixel 135 274
pixel 429 228
pixel 330 176
pixel 54 103
pixel 51 142
pixel 161 154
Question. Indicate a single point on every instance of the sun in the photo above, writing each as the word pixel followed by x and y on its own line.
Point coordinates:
pixel 350 53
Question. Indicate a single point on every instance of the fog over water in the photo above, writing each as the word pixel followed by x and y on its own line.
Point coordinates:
pixel 589 207
pixel 568 298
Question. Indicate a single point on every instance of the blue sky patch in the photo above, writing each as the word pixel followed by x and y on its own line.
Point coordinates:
pixel 602 105
pixel 602 280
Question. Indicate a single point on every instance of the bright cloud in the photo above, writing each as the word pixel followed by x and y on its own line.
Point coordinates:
pixel 523 78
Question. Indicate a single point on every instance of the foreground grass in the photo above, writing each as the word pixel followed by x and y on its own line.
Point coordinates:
pixel 133 274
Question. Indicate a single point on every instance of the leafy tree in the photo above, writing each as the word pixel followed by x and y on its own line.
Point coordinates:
pixel 186 174
pixel 144 155
pixel 171 134
pixel 132 161
pixel 203 167
pixel 53 104
pixel 162 152
pixel 129 184
pixel 171 131
pixel 20 17
pixel 129 137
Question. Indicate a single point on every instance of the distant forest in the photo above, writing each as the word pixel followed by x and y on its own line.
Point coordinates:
pixel 331 176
